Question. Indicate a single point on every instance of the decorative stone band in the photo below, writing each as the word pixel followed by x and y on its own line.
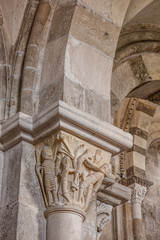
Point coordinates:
pixel 62 116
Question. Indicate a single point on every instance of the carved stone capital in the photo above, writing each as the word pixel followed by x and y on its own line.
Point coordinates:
pixel 70 170
pixel 104 212
pixel 138 193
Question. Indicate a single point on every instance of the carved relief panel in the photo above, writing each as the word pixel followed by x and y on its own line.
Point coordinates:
pixel 70 170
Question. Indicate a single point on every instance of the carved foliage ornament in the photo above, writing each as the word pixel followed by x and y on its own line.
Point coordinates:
pixel 104 212
pixel 138 193
pixel 69 170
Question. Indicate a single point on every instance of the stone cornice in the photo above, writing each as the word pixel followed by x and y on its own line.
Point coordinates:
pixel 113 193
pixel 67 118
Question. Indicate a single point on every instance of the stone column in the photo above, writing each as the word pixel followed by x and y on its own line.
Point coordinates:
pixel 138 194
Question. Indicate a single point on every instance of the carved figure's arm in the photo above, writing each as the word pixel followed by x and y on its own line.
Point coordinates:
pixel 90 165
pixel 71 170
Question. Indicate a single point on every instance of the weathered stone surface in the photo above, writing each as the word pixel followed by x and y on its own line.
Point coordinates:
pixel 96 105
pixel 29 189
pixel 73 94
pixel 94 30
pixel 139 69
pixel 53 65
pixel 80 67
pixel 134 8
pixel 31 223
pixel 11 175
pixel 111 9
pixel 8 222
pixel 51 94
pixel 151 61
pixel 120 78
pixel 62 18
pixel 27 106
pixel 13 14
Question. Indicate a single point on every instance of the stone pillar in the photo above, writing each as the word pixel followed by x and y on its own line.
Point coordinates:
pixel 138 194
pixel 64 223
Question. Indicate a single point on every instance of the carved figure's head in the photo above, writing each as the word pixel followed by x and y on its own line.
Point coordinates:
pixel 89 153
pixel 105 169
pixel 46 153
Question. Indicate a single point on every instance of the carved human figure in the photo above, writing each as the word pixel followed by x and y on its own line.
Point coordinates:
pixel 92 183
pixel 86 158
pixel 48 175
pixel 65 162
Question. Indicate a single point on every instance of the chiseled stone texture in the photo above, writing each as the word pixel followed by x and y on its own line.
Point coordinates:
pixel 110 9
pixel 21 211
pixel 87 25
pixel 8 222
pixel 73 94
pixel 11 175
pixel 88 67
pixel 97 106
pixel 13 14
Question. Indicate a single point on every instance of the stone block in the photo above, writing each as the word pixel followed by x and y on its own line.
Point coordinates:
pixel 31 223
pixel 30 76
pixel 95 30
pixel 96 105
pixel 32 59
pixel 86 66
pixel 8 222
pixel 29 189
pixel 73 94
pixel 62 18
pixel 51 94
pixel 11 175
pixel 53 65
pixel 111 9
pixel 152 64
pixel 122 75
pixel 27 106
pixel 135 159
pixel 13 18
